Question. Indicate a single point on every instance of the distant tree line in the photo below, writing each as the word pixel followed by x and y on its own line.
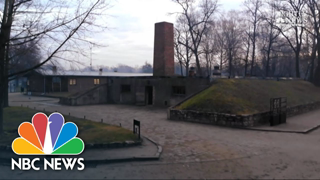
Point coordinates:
pixel 266 38
pixel 146 68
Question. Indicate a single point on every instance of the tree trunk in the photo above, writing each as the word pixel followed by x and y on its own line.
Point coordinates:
pixel 253 58
pixel 313 57
pixel 198 64
pixel 317 73
pixel 230 63
pixel 188 60
pixel 269 51
pixel 247 59
pixel 221 54
pixel 1 120
pixel 268 62
pixel 187 70
pixel 4 40
pixel 2 81
pixel 4 59
pixel 6 70
pixel 208 68
pixel 297 64
pixel 5 93
pixel 181 69
pixel 245 68
pixel 1 109
pixel 5 80
pixel 253 49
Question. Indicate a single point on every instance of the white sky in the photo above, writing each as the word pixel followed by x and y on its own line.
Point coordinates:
pixel 131 35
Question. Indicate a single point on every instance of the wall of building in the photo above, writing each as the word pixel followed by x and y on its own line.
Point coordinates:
pixel 84 83
pixel 95 95
pixel 35 83
pixel 162 94
pixel 45 84
pixel 54 86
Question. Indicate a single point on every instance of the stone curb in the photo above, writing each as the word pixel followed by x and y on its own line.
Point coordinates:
pixel 130 159
pixel 108 161
pixel 112 145
pixel 284 131
pixel 265 130
pixel 120 160
pixel 158 154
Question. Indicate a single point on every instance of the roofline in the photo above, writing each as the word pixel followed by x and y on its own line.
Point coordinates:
pixel 143 77
pixel 59 75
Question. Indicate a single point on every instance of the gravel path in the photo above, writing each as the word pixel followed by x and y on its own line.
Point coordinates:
pixel 191 150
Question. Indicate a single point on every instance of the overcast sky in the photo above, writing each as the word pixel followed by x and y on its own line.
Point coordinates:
pixel 131 35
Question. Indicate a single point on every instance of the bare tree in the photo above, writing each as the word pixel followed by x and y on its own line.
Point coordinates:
pixel 314 9
pixel 209 50
pixel 24 56
pixel 219 40
pixel 309 51
pixel 271 47
pixel 269 32
pixel 182 44
pixel 197 19
pixel 246 46
pixel 292 29
pixel 61 27
pixel 253 10
pixel 230 27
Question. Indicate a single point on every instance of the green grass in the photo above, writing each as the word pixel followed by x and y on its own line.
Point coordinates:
pixel 243 96
pixel 89 131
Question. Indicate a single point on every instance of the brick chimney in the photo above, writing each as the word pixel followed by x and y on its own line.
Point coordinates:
pixel 163 57
pixel 54 70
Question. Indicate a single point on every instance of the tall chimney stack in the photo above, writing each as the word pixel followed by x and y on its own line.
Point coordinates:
pixel 54 69
pixel 163 57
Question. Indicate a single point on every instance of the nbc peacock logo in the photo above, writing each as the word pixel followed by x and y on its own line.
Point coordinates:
pixel 48 136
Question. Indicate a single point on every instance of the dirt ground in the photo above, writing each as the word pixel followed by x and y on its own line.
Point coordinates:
pixel 190 150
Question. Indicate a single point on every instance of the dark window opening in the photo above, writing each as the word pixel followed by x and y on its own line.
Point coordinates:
pixel 125 88
pixel 178 90
pixel 149 95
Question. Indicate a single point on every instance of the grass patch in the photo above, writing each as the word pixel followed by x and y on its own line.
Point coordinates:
pixel 89 131
pixel 244 96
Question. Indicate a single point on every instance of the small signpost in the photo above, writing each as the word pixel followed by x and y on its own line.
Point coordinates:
pixel 136 126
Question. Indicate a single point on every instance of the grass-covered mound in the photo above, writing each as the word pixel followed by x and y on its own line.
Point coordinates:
pixel 89 131
pixel 243 96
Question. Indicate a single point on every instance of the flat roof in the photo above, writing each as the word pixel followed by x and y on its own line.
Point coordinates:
pixel 91 73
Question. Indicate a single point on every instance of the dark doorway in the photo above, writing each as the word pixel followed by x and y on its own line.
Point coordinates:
pixel 278 111
pixel 149 95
